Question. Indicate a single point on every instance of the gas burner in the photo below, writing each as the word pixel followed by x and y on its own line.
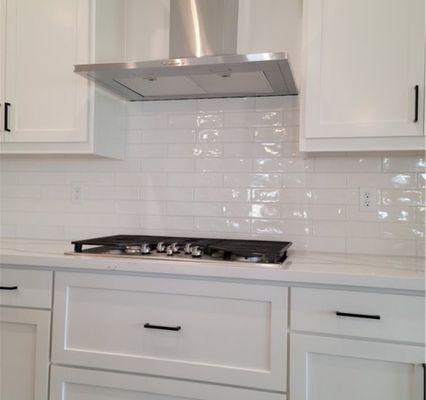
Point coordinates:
pixel 186 249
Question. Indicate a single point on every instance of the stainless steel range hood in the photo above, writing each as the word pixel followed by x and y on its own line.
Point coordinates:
pixel 203 41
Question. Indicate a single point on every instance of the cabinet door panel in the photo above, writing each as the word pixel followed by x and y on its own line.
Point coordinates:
pixel 24 353
pixel 334 369
pixel 363 60
pixel 75 384
pixel 44 39
pixel 223 333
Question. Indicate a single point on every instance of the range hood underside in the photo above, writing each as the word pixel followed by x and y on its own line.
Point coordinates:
pixel 265 74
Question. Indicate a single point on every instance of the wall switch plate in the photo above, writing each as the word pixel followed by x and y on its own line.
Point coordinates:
pixel 367 199
pixel 76 193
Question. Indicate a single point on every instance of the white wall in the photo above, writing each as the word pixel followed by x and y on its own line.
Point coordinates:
pixel 226 168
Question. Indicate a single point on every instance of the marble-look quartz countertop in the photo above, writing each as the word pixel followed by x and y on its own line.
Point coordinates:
pixel 398 273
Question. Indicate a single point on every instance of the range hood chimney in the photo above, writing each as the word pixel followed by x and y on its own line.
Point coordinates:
pixel 203 61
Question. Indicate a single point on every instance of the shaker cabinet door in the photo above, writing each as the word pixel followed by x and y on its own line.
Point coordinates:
pixel 81 384
pixel 24 354
pixel 324 368
pixel 41 42
pixel 364 68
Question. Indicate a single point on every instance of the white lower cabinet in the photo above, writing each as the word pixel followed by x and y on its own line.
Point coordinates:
pixel 24 354
pixel 79 384
pixel 325 368
pixel 219 332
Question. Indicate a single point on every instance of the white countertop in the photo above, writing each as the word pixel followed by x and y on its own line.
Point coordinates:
pixel 402 273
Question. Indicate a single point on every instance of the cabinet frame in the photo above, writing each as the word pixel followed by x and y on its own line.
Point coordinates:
pixel 41 320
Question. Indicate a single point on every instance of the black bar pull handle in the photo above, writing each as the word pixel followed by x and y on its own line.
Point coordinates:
pixel 416 104
pixel 8 287
pixel 424 381
pixel 162 328
pixel 350 315
pixel 6 117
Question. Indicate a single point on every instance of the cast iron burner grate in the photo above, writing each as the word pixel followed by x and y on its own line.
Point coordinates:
pixel 226 249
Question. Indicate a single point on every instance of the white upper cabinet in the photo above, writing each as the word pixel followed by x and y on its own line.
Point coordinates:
pixel 46 108
pixel 363 75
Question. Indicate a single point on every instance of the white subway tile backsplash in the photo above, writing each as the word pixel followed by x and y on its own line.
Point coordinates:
pixel 140 207
pixel 277 103
pixel 194 208
pixel 277 134
pixel 403 231
pixel 251 210
pixel 383 213
pixel 181 121
pixel 19 191
pixel 266 196
pixel 166 193
pixel 221 167
pixel 166 164
pixel 222 225
pixel 231 104
pixel 404 163
pixel 402 198
pixel 252 180
pixel 291 118
pixel 195 180
pixel 252 119
pixel 146 121
pixel 282 165
pixel 313 212
pixel 141 179
pixel 197 150
pixel 348 164
pixel 397 180
pixel 267 150
pixel 146 150
pixel 389 247
pixel 165 223
pixel 183 106
pixel 209 120
pixel 222 194
pixel 168 136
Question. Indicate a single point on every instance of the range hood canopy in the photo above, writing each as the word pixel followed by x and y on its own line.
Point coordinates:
pixel 203 40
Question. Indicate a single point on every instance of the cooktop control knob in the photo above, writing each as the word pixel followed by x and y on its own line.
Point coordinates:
pixel 196 251
pixel 161 247
pixel 188 248
pixel 174 247
pixel 145 249
pixel 169 250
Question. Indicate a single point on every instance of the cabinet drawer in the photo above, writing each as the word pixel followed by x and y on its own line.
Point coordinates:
pixel 202 330
pixel 362 314
pixel 25 288
pixel 76 384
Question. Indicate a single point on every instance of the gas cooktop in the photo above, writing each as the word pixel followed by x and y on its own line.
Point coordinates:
pixel 181 248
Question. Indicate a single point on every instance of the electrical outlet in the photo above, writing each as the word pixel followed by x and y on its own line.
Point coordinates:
pixel 76 192
pixel 367 199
